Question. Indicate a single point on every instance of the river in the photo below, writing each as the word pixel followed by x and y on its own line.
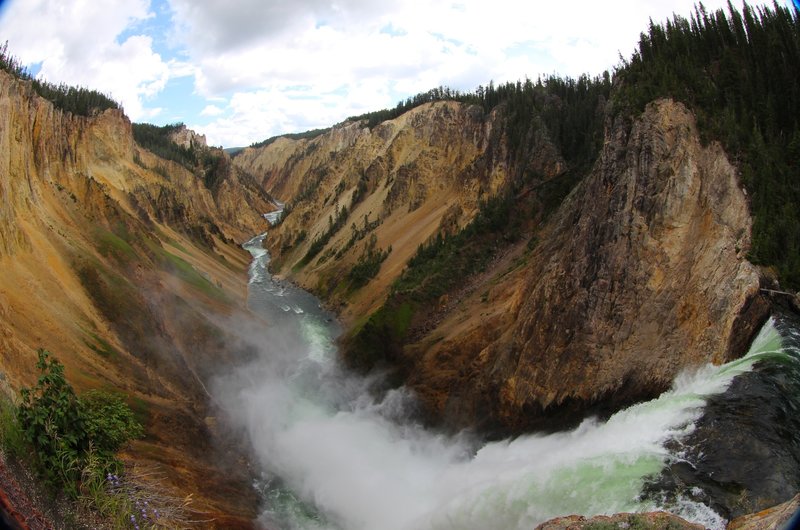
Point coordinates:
pixel 332 456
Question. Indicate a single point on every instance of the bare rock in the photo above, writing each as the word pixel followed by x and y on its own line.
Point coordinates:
pixel 187 138
pixel 644 273
pixel 774 518
pixel 637 521
pixel 640 274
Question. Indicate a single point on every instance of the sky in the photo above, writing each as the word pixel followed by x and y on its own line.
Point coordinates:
pixel 241 71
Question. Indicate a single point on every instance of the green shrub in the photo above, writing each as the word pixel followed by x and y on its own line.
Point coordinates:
pixel 109 421
pixel 70 438
pixel 53 425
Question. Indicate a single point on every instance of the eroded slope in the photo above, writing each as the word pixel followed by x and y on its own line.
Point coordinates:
pixel 116 260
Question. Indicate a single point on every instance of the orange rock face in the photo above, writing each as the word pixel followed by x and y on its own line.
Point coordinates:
pixel 111 257
pixel 639 274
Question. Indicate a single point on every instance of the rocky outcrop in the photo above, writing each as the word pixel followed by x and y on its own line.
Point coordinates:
pixel 643 521
pixel 783 516
pixel 774 518
pixel 187 138
pixel 640 273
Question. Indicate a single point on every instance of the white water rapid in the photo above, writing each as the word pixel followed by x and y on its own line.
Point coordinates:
pixel 335 458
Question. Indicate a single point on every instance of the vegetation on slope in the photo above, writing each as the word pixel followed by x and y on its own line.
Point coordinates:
pixel 71 441
pixel 157 140
pixel 77 100
pixel 307 135
pixel 211 164
pixel 738 72
pixel 438 267
pixel 571 110
pixel 142 319
pixel 568 111
pixel 368 264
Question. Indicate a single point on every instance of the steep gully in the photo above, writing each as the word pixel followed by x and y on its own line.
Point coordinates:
pixel 333 455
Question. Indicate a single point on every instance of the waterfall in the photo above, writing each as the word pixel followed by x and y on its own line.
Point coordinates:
pixel 335 457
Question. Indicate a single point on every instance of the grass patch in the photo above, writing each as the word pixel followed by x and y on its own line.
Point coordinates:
pixel 101 346
pixel 112 293
pixel 12 439
pixel 188 274
pixel 171 242
pixel 113 246
pixel 140 408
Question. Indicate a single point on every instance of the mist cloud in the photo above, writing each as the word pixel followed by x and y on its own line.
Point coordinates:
pixel 364 463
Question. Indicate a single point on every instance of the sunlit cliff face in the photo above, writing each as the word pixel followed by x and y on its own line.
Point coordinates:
pixel 601 303
pixel 111 258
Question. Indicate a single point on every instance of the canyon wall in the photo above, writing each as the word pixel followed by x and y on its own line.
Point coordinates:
pixel 640 274
pixel 113 259
pixel 590 304
pixel 397 185
pixel 573 291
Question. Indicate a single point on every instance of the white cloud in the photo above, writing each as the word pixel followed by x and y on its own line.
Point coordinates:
pixel 211 110
pixel 79 43
pixel 261 52
pixel 255 63
pixel 254 116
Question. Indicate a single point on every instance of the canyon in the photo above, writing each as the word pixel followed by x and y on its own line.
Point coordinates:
pixel 640 272
pixel 551 287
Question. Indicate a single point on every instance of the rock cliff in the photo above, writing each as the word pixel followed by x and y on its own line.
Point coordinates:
pixel 640 273
pixel 353 192
pixel 187 138
pixel 111 259
pixel 603 286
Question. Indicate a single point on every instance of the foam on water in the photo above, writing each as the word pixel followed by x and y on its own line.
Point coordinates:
pixel 347 461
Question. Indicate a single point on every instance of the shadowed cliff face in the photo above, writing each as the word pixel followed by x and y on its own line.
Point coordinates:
pixel 640 274
pixel 116 261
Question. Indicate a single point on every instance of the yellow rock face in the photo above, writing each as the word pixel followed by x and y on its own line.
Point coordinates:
pixel 639 274
pixel 419 174
pixel 109 258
